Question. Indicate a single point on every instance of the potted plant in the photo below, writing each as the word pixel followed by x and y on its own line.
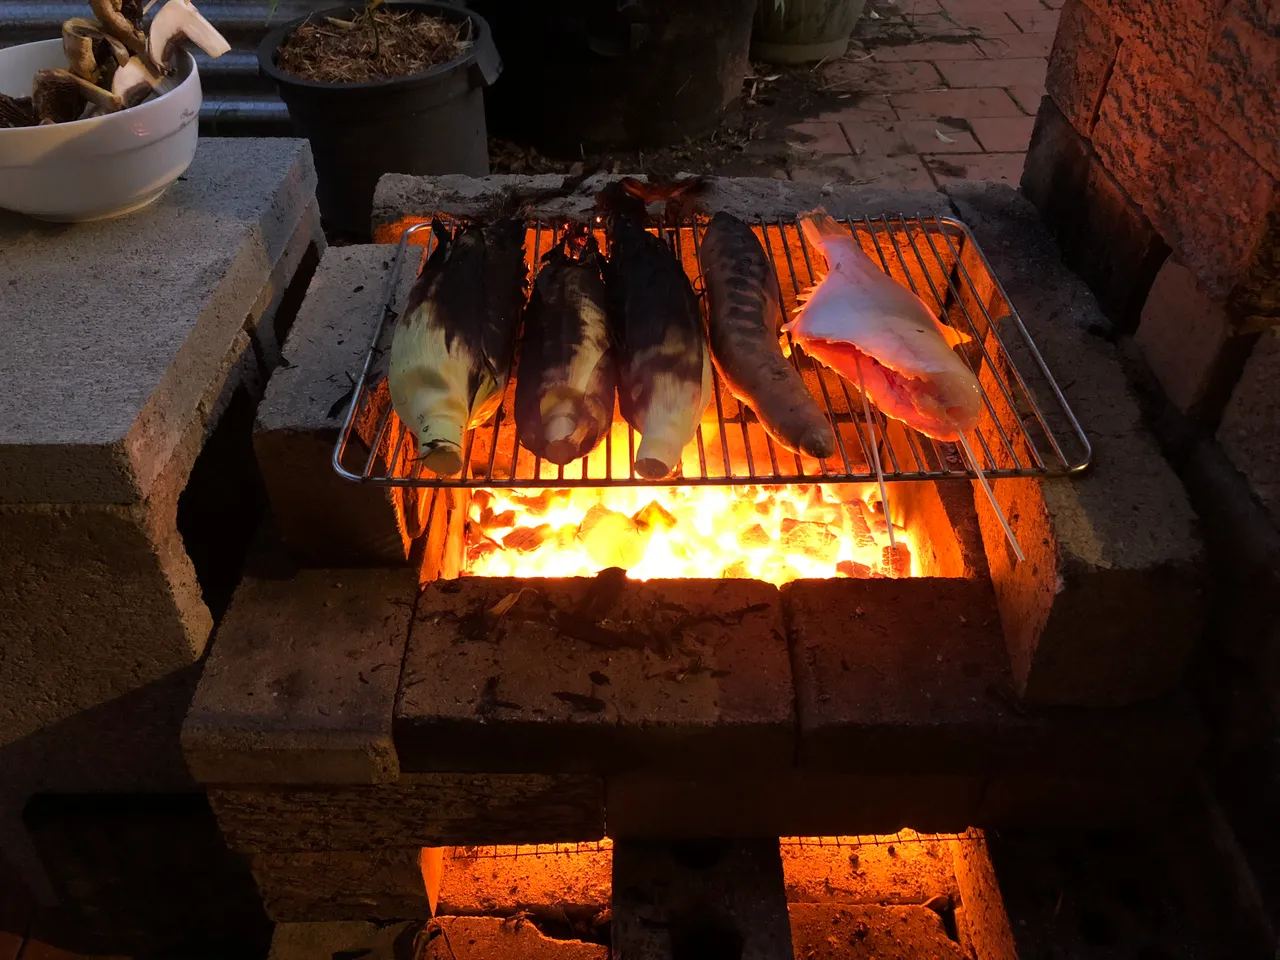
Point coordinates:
pixel 803 31
pixel 383 88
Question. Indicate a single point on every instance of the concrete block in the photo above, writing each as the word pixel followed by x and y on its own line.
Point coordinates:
pixel 566 882
pixel 898 869
pixel 402 200
pixel 912 676
pixel 99 600
pixel 699 899
pixel 325 519
pixel 829 931
pixel 379 884
pixel 596 674
pixel 423 810
pixel 1104 236
pixel 136 315
pixel 479 938
pixel 301 683
pixel 1191 342
pixel 323 941
pixel 1107 605
pixel 1250 428
pixel 1084 50
pixel 981 920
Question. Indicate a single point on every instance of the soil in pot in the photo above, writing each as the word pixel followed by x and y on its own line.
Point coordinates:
pixel 377 45
pixel 396 90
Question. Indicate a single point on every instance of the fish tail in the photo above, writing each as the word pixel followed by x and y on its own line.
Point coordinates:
pixel 818 227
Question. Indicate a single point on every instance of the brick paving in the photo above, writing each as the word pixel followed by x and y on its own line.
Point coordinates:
pixel 937 91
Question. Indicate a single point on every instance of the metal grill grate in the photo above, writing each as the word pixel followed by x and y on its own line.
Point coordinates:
pixel 1027 428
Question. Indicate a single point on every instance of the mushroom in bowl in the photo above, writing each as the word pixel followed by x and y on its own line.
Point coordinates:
pixel 100 122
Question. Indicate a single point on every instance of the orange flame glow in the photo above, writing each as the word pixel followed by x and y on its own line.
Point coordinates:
pixel 771 533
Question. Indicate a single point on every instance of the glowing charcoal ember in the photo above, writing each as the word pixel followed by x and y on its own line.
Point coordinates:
pixel 851 568
pixel 896 561
pixel 760 532
pixel 527 539
pixel 612 539
pixel 810 539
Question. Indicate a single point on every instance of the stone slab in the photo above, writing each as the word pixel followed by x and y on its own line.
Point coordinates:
pixel 480 938
pixel 596 674
pixel 1107 605
pixel 418 810
pixel 301 683
pixel 325 519
pixel 912 676
pixel 1250 427
pixel 828 931
pixel 135 315
pixel 699 899
pixel 402 200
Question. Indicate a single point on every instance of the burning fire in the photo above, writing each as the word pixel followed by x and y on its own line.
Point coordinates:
pixel 771 533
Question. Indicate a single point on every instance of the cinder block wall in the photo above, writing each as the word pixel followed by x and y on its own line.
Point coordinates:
pixel 1155 159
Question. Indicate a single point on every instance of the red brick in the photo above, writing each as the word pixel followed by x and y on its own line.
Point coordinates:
pixel 1017 71
pixel 864 76
pixel 1171 36
pixel 1004 134
pixel 1082 56
pixel 823 931
pixel 1206 196
pixel 703 683
pixel 1240 85
pixel 967 103
pixel 899 173
pixel 819 137
pixel 1016 45
pixel 1036 21
pixel 936 50
pixel 1001 167
pixel 908 136
pixel 1189 343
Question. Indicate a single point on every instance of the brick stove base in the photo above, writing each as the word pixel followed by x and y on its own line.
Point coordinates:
pixel 345 719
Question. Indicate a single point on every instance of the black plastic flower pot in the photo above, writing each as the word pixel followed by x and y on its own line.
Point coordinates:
pixel 427 123
pixel 606 74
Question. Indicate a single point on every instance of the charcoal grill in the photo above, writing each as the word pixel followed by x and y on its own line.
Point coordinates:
pixel 1027 428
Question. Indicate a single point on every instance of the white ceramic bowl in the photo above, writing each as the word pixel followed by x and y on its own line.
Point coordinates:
pixel 98 168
